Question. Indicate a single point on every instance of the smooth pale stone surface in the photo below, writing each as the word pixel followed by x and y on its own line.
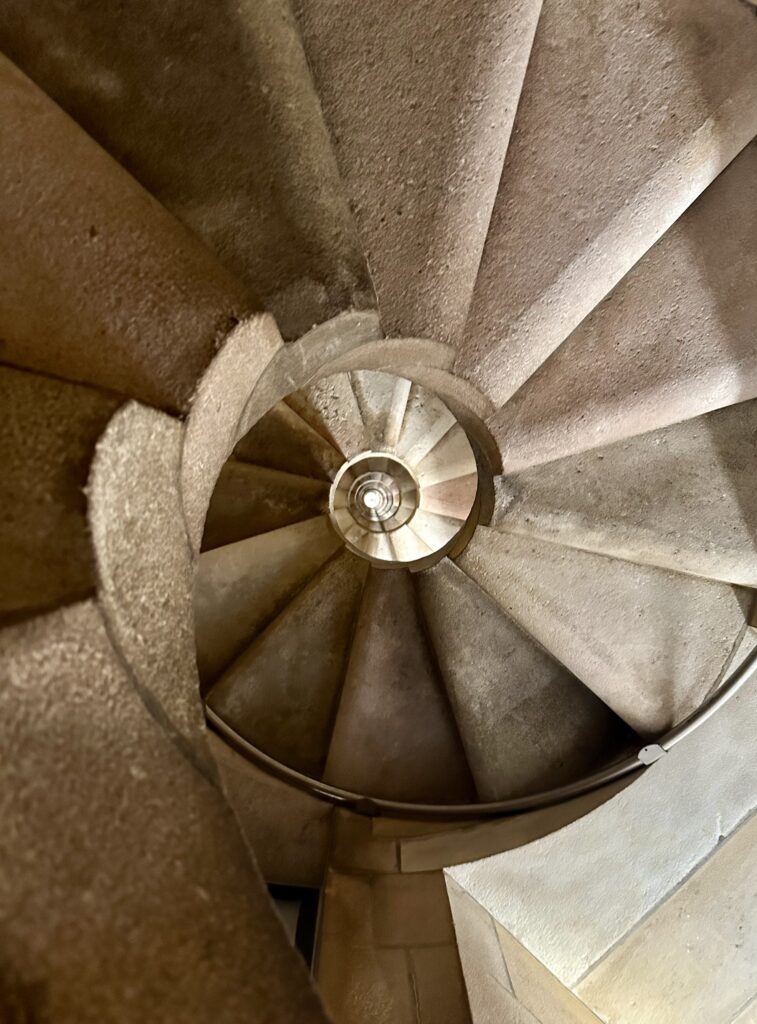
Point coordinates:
pixel 602 161
pixel 213 109
pixel 241 587
pixel 127 893
pixel 420 99
pixel 650 643
pixel 571 896
pixel 48 432
pixel 283 440
pixel 281 693
pixel 694 957
pixel 288 831
pixel 748 1015
pixel 330 407
pixel 395 736
pixel 249 500
pixel 674 340
pixel 680 498
pixel 105 286
pixel 374 393
pixel 526 723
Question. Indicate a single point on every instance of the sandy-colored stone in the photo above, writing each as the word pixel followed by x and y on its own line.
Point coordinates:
pixel 526 723
pixel 127 893
pixel 48 432
pixel 627 113
pixel 356 847
pixel 650 643
pixel 240 588
pixel 283 440
pixel 674 340
pixel 104 286
pixel 288 831
pixel 412 910
pixel 329 405
pixel 420 99
pixel 250 500
pixel 439 986
pixel 394 735
pixel 213 110
pixel 281 693
pixel 680 498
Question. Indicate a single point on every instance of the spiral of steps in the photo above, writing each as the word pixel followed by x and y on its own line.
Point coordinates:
pixel 379 386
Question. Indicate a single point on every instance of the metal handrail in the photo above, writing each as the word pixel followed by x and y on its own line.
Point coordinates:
pixel 375 806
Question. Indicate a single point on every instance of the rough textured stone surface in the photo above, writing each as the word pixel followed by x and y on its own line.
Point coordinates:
pixel 240 588
pixel 283 440
pixel 288 831
pixel 680 498
pixel 394 735
pixel 650 643
pixel 281 693
pixel 674 340
pixel 573 895
pixel 526 723
pixel 104 286
pixel 329 405
pixel 145 566
pixel 127 893
pixel 420 99
pixel 603 159
pixel 48 432
pixel 249 500
pixel 694 957
pixel 213 110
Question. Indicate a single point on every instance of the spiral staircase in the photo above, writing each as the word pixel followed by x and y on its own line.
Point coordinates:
pixel 379 425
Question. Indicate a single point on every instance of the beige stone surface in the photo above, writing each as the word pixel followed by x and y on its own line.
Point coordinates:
pixel 213 110
pixel 526 723
pixel 356 847
pixel 440 995
pixel 672 341
pixel 281 693
pixel 48 432
pixel 627 113
pixel 105 286
pixel 288 831
pixel 283 440
pixel 240 588
pixel 127 893
pixel 250 500
pixel 420 99
pixel 330 406
pixel 695 956
pixel 395 735
pixel 650 643
pixel 680 498
pixel 411 910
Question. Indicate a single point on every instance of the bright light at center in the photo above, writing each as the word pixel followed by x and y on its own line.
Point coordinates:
pixel 372 498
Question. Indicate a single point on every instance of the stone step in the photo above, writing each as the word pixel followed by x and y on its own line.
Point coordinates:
pixel 240 588
pixel 127 892
pixel 420 101
pixel 281 694
pixel 599 167
pixel 249 500
pixel 330 407
pixel 382 400
pixel 674 340
pixel 650 643
pixel 680 498
pixel 48 432
pixel 526 723
pixel 395 736
pixel 283 440
pixel 215 113
pixel 105 286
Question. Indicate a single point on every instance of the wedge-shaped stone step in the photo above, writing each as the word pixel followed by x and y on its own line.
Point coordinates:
pixel 283 440
pixel 395 736
pixel 249 500
pixel 281 694
pixel 674 340
pixel 526 723
pixel 600 165
pixel 105 286
pixel 48 433
pixel 681 498
pixel 650 643
pixel 382 400
pixel 330 407
pixel 242 587
pixel 123 867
